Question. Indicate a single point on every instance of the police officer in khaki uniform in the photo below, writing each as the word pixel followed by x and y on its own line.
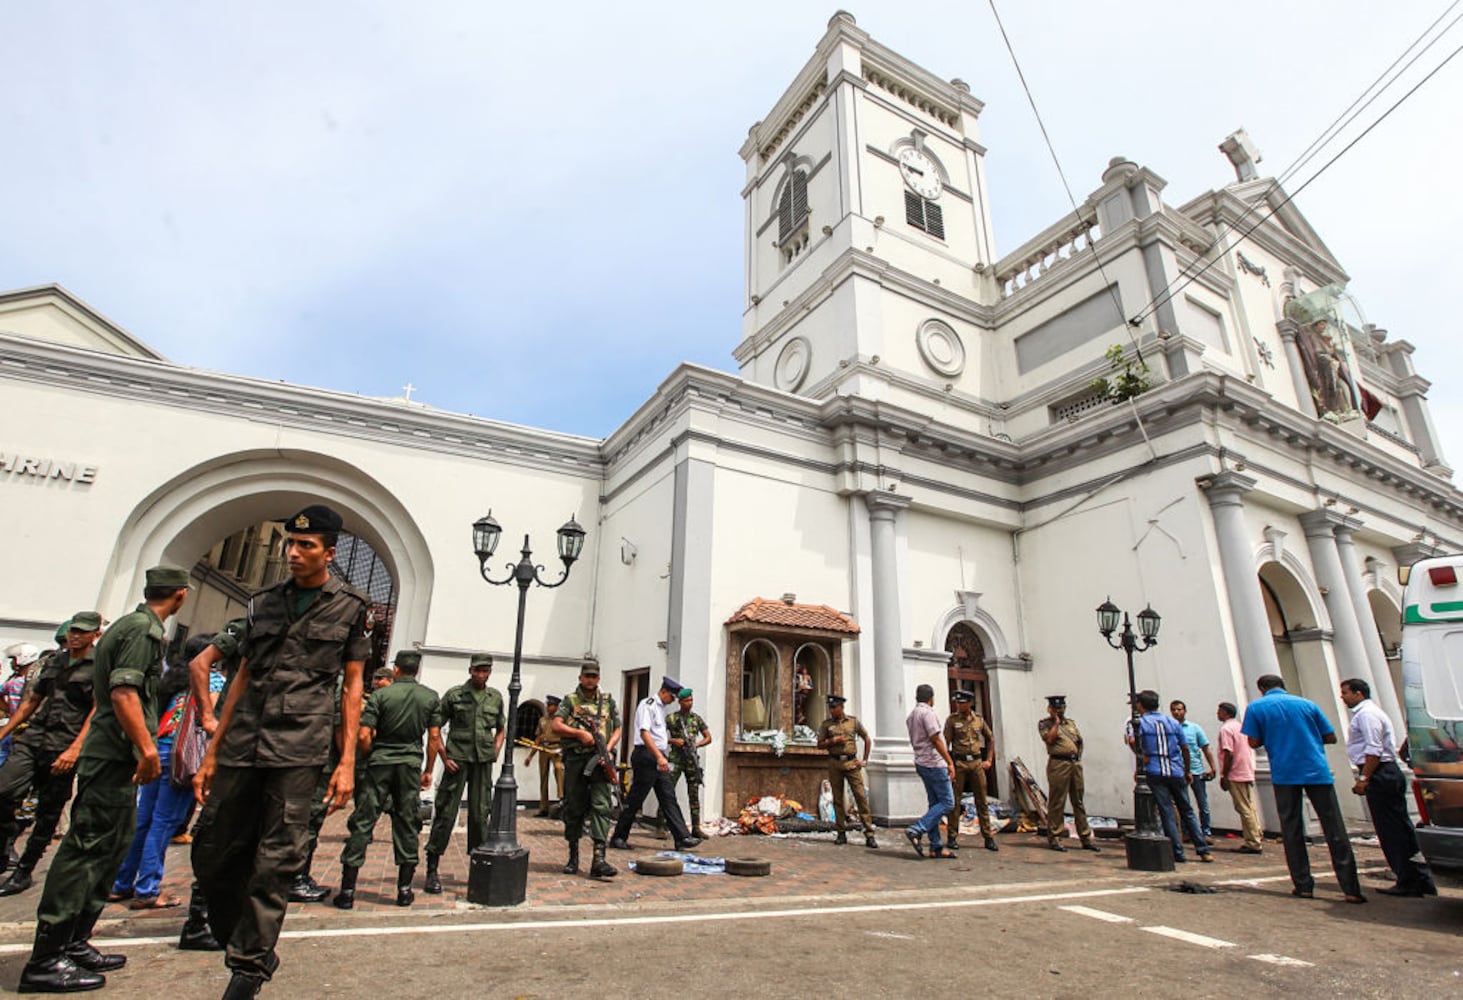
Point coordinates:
pixel 392 725
pixel 58 708
pixel 117 758
pixel 1063 774
pixel 587 789
pixel 258 776
pixel 973 748
pixel 839 735
pixel 549 756
pixel 476 725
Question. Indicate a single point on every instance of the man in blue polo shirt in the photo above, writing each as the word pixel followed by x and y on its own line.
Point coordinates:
pixel 1165 756
pixel 1294 732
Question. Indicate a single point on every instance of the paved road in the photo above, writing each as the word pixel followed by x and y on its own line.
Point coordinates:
pixel 1084 931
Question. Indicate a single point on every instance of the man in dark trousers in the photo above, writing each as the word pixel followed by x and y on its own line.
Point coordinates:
pixel 1371 746
pixel 257 779
pixel 392 725
pixel 1295 733
pixel 587 711
pixel 650 769
pixel 58 708
pixel 117 758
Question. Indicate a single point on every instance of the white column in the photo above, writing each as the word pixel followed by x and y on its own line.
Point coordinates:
pixel 889 695
pixel 1225 492
pixel 1381 681
pixel 1351 658
pixel 1297 368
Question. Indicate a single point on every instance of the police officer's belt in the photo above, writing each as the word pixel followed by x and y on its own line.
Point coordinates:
pixel 1064 756
pixel 841 756
pixel 967 757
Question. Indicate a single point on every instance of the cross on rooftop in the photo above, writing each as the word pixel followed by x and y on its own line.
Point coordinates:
pixel 408 389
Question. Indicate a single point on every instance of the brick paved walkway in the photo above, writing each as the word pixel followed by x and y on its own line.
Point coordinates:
pixel 805 868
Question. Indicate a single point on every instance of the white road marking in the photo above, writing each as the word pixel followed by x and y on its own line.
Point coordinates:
pixel 1282 878
pixel 1283 960
pixel 1187 936
pixel 679 918
pixel 890 934
pixel 1087 911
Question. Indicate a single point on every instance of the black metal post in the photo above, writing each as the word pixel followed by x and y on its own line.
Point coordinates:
pixel 498 867
pixel 1148 847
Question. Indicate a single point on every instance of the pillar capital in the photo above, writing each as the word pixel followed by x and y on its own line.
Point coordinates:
pixel 1323 522
pixel 1226 488
pixel 1414 551
pixel 884 504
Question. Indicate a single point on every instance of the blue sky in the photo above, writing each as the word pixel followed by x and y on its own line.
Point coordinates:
pixel 533 214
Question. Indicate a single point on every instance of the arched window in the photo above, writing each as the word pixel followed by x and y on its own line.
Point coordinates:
pixel 792 206
pixel 812 680
pixel 760 701
pixel 525 725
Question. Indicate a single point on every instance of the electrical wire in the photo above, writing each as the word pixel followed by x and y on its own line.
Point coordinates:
pixel 1056 161
pixel 1169 294
pixel 1346 117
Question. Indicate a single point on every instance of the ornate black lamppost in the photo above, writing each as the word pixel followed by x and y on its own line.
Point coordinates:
pixel 498 873
pixel 1149 849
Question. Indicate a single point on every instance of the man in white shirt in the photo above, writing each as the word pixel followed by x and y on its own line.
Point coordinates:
pixel 1371 746
pixel 650 770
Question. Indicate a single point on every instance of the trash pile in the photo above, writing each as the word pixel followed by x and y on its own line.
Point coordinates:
pixel 763 815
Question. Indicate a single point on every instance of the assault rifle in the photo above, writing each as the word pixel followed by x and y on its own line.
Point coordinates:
pixel 604 762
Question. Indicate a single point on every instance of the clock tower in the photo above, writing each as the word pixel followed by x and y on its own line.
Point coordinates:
pixel 868 230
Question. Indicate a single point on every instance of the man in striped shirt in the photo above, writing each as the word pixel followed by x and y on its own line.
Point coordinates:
pixel 1164 754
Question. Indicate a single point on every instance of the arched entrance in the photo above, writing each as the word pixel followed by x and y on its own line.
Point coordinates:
pixel 1300 629
pixel 1387 613
pixel 967 672
pixel 187 517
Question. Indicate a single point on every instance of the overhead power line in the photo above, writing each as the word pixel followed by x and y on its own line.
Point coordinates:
pixel 1352 111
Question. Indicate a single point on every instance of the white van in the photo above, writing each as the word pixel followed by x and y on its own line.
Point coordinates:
pixel 1432 679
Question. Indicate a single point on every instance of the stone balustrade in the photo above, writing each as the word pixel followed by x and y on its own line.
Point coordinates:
pixel 1069 238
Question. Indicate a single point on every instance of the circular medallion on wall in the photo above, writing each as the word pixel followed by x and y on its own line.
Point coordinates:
pixel 940 347
pixel 792 364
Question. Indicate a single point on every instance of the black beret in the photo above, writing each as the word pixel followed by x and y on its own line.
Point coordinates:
pixel 316 519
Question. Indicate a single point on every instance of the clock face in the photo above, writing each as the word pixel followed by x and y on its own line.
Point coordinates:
pixel 919 172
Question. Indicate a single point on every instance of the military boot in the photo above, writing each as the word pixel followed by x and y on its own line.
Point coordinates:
pixel 345 899
pixel 869 840
pixel 990 844
pixel 433 884
pixel 196 934
pixel 842 837
pixel 243 986
pixel 404 875
pixel 18 880
pixel 304 888
pixel 81 952
pixel 49 970
pixel 601 868
pixel 571 867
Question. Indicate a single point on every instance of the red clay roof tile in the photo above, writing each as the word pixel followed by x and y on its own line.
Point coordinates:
pixel 819 616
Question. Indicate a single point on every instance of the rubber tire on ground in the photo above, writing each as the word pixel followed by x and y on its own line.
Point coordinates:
pixel 749 867
pixel 659 866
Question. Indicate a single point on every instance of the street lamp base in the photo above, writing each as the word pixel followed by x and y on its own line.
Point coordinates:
pixel 1149 852
pixel 500 878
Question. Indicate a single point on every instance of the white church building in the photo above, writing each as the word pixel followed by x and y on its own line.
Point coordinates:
pixel 911 478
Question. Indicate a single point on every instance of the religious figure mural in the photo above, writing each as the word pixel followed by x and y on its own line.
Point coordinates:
pixel 1326 355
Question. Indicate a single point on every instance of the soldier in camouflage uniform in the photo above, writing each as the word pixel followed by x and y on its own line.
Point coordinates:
pixel 587 711
pixel 973 749
pixel 476 724
pixel 117 758
pixel 58 708
pixel 688 732
pixel 392 725
pixel 258 776
pixel 839 735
